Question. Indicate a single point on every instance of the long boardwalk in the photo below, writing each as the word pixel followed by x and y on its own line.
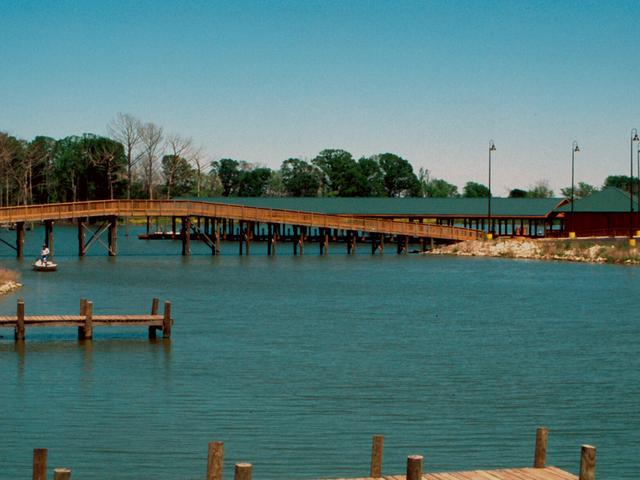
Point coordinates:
pixel 219 214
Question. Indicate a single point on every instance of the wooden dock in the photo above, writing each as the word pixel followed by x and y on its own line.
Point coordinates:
pixel 244 471
pixel 86 320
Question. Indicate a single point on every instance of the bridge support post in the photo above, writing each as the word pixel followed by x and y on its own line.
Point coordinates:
pixel 351 242
pixel 81 245
pixel 324 241
pixel 20 239
pixel 403 243
pixel 48 235
pixel 173 227
pixel 216 236
pixel 302 232
pixel 248 236
pixel 295 240
pixel 374 242
pixel 185 233
pixel 241 233
pixel 272 238
pixel 113 236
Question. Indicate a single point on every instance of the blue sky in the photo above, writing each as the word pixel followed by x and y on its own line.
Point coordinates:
pixel 263 81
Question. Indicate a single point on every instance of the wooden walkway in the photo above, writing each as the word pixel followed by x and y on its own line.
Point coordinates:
pixel 188 208
pixel 86 320
pixel 547 473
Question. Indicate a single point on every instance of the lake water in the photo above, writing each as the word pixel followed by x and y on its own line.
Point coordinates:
pixel 294 362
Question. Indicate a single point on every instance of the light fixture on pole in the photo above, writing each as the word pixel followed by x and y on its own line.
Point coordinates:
pixel 634 138
pixel 574 149
pixel 492 148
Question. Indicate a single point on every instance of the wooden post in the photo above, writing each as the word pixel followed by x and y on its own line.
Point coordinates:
pixel 113 236
pixel 377 447
pixel 154 311
pixel 215 461
pixel 588 463
pixel 20 239
pixel 295 240
pixel 166 321
pixel 186 236
pixel 88 320
pixel 303 231
pixel 148 224
pixel 39 464
pixel 242 471
pixel 414 467
pixel 83 309
pixel 381 246
pixel 61 474
pixel 540 455
pixel 81 245
pixel 249 237
pixel 19 332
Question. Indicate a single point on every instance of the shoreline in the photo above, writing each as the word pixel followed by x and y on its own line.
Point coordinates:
pixel 600 250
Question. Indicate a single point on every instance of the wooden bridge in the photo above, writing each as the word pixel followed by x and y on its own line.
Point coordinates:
pixel 220 219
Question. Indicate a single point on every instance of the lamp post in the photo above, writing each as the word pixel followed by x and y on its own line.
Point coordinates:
pixel 574 149
pixel 634 138
pixel 638 173
pixel 492 148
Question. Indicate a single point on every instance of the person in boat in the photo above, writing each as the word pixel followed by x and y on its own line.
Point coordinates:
pixel 44 254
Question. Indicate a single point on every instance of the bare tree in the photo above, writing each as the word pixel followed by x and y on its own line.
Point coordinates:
pixel 178 149
pixel 151 138
pixel 127 130
pixel 198 159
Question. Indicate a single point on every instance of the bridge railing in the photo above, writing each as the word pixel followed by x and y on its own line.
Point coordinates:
pixel 141 208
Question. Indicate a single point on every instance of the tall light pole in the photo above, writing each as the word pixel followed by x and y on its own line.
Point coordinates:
pixel 574 149
pixel 492 148
pixel 638 173
pixel 634 138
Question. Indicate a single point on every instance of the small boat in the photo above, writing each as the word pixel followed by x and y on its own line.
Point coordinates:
pixel 46 266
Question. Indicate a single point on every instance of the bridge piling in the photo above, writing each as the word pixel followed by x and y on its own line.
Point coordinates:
pixel 81 243
pixel 19 330
pixel 185 233
pixel 20 239
pixel 113 235
pixel 48 235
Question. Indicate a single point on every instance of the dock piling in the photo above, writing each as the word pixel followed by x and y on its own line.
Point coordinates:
pixel 166 321
pixel 540 455
pixel 215 461
pixel 20 239
pixel 83 305
pixel 243 471
pixel 154 311
pixel 61 474
pixel 39 464
pixel 19 332
pixel 588 463
pixel 88 320
pixel 414 467
pixel 377 446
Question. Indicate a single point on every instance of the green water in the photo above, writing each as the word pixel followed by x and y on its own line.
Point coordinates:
pixel 294 362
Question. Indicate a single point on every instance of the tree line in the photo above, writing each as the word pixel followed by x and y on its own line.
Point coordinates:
pixel 139 160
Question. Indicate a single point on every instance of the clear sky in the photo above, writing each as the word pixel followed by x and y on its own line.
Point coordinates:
pixel 263 81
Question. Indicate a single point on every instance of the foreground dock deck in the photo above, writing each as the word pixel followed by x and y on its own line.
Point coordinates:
pixel 86 320
pixel 244 471
pixel 546 473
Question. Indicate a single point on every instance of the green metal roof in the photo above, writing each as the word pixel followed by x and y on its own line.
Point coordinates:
pixel 610 200
pixel 461 207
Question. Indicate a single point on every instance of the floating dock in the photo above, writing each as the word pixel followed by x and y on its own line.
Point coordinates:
pixel 86 320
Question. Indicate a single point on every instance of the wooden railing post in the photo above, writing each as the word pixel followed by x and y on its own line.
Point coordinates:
pixel 540 455
pixel 61 474
pixel 19 332
pixel 88 320
pixel 377 446
pixel 154 311
pixel 39 464
pixel 242 471
pixel 414 467
pixel 215 461
pixel 587 463
pixel 166 321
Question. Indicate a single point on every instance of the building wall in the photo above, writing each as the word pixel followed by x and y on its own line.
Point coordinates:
pixel 600 224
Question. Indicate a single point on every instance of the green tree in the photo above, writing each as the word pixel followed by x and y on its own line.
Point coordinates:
pixel 300 179
pixel 397 176
pixel 540 189
pixel 439 188
pixel 339 172
pixel 180 177
pixel 518 193
pixel 253 182
pixel 622 182
pixel 228 172
pixel 371 178
pixel 475 190
pixel 581 191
